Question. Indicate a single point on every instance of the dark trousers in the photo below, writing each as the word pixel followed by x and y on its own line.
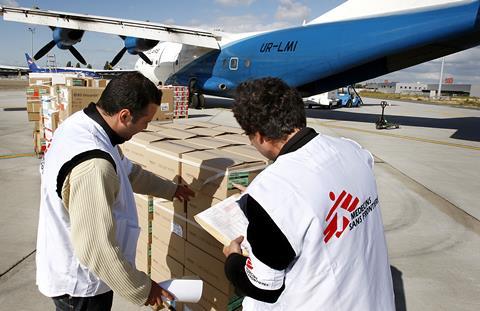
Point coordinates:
pixel 102 302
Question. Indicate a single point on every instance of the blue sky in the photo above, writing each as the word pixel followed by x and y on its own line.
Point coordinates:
pixel 229 15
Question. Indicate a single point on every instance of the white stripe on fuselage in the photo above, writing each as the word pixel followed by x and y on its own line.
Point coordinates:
pixel 357 9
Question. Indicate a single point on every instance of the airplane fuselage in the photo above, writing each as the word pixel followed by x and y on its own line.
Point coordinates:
pixel 319 57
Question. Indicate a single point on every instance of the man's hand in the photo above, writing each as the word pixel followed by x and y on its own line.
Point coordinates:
pixel 155 296
pixel 234 247
pixel 239 187
pixel 183 193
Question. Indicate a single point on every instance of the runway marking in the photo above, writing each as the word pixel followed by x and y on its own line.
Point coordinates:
pixel 425 140
pixel 17 155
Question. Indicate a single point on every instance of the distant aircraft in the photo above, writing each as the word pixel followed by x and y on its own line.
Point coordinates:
pixel 86 72
pixel 356 41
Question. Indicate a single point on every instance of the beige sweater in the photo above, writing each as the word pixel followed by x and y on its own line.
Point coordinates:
pixel 88 194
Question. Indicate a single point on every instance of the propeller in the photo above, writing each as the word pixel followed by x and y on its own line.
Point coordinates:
pixel 117 57
pixel 45 50
pixel 77 55
pixel 135 46
pixel 145 58
pixel 64 39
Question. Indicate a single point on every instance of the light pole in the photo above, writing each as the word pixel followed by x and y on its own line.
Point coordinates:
pixel 439 93
pixel 32 30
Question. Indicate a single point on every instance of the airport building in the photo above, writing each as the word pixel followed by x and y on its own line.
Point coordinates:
pixel 397 87
pixel 448 89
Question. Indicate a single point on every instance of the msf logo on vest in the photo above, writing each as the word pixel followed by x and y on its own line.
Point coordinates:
pixel 338 217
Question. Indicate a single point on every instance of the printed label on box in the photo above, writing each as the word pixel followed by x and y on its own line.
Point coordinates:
pixel 164 106
pixel 240 178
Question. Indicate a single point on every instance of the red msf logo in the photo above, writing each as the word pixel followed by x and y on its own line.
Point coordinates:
pixel 337 224
pixel 249 264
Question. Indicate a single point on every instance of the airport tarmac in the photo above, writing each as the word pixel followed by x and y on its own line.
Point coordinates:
pixel 428 176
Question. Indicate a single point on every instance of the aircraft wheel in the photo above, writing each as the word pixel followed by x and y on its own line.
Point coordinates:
pixel 201 101
pixel 193 101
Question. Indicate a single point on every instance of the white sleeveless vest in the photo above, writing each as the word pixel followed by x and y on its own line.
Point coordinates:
pixel 58 270
pixel 323 197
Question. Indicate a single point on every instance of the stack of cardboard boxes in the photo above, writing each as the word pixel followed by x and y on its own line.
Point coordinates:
pixel 207 158
pixel 180 99
pixel 144 205
pixel 34 94
pixel 53 97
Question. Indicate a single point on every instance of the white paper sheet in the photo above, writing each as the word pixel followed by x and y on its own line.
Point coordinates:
pixel 187 289
pixel 225 220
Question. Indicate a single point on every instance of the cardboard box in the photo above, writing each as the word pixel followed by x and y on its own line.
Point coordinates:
pixel 212 172
pixel 71 81
pixel 163 266
pixel 89 81
pixel 197 236
pixel 176 134
pixel 100 82
pixel 202 124
pixel 36 126
pixel 134 149
pixel 169 232
pixel 163 158
pixel 189 144
pixel 165 110
pixel 208 142
pixel 144 205
pixel 143 256
pixel 156 126
pixel 180 126
pixel 208 132
pixel 215 300
pixel 235 138
pixel 199 203
pixel 35 92
pixel 39 143
pixel 39 80
pixel 51 120
pixel 246 151
pixel 176 206
pixel 33 116
pixel 73 99
pixel 207 267
pixel 229 129
pixel 34 105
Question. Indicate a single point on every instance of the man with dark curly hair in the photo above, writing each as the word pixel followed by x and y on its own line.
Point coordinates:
pixel 315 237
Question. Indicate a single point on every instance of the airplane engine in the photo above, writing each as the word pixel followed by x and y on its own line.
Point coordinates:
pixel 135 46
pixel 64 39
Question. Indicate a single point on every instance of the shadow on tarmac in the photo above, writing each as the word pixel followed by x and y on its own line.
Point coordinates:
pixel 466 128
pixel 400 302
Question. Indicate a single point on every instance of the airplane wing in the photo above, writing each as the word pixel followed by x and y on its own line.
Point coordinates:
pixel 124 27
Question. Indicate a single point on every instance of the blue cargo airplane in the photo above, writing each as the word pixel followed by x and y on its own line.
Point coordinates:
pixel 356 41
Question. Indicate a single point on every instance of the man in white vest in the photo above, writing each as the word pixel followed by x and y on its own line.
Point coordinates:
pixel 315 238
pixel 88 226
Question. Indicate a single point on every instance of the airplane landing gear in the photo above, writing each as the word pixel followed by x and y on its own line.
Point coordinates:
pixel 195 99
pixel 382 123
